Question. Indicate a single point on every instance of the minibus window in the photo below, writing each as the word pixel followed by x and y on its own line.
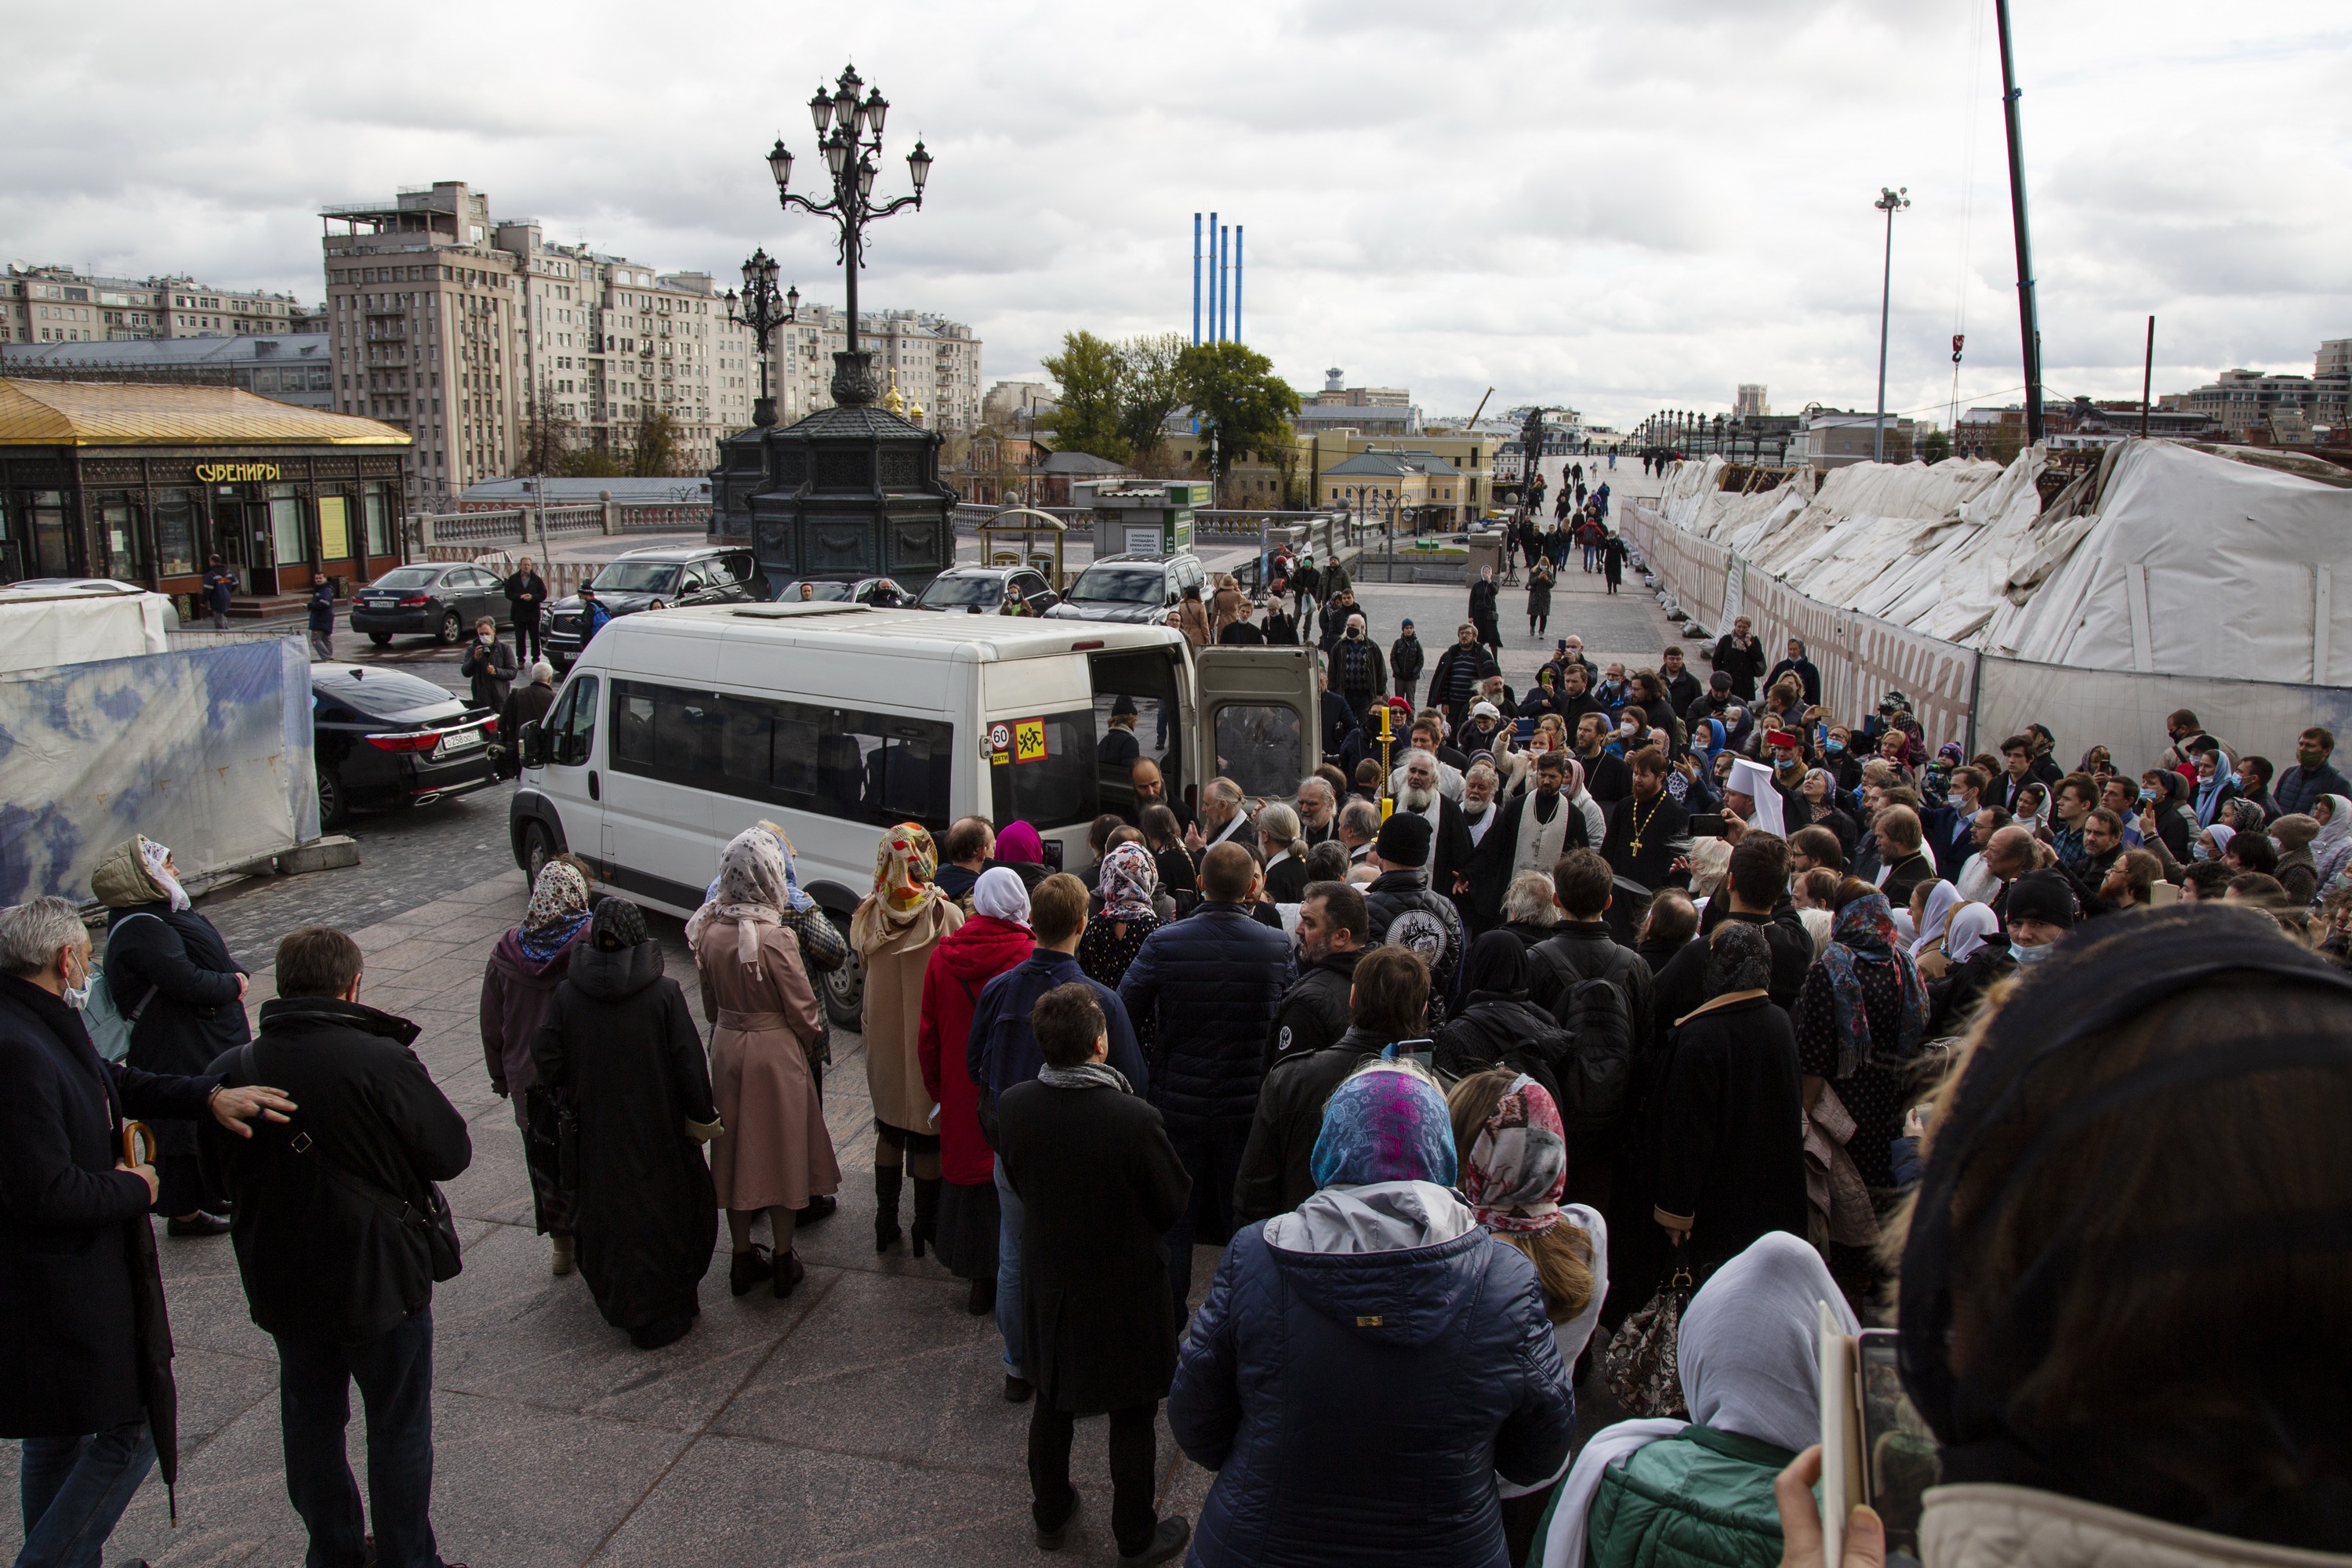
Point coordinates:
pixel 1259 748
pixel 1050 786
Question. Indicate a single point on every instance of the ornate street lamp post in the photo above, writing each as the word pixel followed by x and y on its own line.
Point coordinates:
pixel 850 134
pixel 759 309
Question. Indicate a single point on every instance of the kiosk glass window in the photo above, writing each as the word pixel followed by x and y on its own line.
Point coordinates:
pixel 175 534
pixel 50 556
pixel 119 525
pixel 286 536
pixel 376 506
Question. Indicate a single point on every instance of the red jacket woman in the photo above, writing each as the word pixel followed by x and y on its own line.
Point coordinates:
pixel 994 940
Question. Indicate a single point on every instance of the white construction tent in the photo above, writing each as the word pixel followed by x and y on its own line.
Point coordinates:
pixel 2168 577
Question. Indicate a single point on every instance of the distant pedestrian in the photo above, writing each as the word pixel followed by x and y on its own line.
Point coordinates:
pixel 526 704
pixel 1613 560
pixel 1406 660
pixel 488 665
pixel 520 980
pixel 1539 581
pixel 1483 596
pixel 323 617
pixel 85 1347
pixel 220 587
pixel 341 1237
pixel 623 1058
pixel 895 930
pixel 526 592
pixel 594 615
pixel 167 965
pixel 1098 1183
pixel 775 1154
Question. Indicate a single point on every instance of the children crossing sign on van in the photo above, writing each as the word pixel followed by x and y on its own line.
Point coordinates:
pixel 1029 740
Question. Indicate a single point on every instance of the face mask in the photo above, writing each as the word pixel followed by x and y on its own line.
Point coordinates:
pixel 2200 852
pixel 78 997
pixel 2028 955
pixel 1833 747
pixel 1957 800
pixel 2147 797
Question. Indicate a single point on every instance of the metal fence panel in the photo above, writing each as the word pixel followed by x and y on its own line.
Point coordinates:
pixel 2125 710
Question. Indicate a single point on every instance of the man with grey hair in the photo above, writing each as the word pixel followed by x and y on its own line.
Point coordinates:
pixel 528 704
pixel 1222 820
pixel 85 1351
pixel 1450 844
pixel 1531 909
pixel 1318 810
pixel 1359 824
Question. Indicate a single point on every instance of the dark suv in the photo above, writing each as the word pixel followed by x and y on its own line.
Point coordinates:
pixel 653 579
pixel 1139 589
pixel 981 590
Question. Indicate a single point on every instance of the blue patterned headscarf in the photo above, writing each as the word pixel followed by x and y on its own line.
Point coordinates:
pixel 1384 1124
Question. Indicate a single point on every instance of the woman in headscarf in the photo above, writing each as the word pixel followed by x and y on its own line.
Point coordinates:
pixel 996 938
pixel 776 1153
pixel 1699 1493
pixel 1860 1020
pixel 2331 850
pixel 1718 1155
pixel 2170 1086
pixel 2164 802
pixel 1963 969
pixel 170 977
pixel 620 1050
pixel 2216 786
pixel 823 951
pixel 1497 1025
pixel 1819 790
pixel 2213 842
pixel 1127 880
pixel 1514 1175
pixel 1377 1332
pixel 1021 851
pixel 1932 903
pixel 525 967
pixel 895 931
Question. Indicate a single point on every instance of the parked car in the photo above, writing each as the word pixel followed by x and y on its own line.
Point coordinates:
pixel 382 738
pixel 1134 588
pixel 656 578
pixel 981 589
pixel 438 600
pixel 879 592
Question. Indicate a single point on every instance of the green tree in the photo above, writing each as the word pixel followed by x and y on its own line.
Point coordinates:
pixel 654 447
pixel 1239 401
pixel 1150 389
pixel 1091 371
pixel 1933 447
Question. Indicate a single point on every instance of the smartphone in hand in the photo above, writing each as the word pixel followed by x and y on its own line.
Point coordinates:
pixel 1876 1448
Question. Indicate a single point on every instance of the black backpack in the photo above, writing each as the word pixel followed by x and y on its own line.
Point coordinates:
pixel 1596 1074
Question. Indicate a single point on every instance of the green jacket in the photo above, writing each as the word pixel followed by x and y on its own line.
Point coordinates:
pixel 1699 1500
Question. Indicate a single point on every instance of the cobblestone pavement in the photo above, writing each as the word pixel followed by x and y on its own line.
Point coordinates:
pixel 861 1420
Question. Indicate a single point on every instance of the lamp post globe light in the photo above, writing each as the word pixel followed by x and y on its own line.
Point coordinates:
pixel 850 134
pixel 761 309
pixel 1890 203
pixel 852 490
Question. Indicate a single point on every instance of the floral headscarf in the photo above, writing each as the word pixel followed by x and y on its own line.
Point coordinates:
pixel 158 861
pixel 1863 935
pixel 904 863
pixel 1127 880
pixel 1384 1124
pixel 1518 1167
pixel 754 887
pixel 558 909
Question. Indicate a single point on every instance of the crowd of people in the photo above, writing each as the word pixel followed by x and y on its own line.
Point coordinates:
pixel 1556 1013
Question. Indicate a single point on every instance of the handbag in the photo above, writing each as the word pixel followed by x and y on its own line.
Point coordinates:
pixel 432 1221
pixel 1639 1365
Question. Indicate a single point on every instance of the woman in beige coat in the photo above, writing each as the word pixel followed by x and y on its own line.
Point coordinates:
pixel 775 1154
pixel 894 933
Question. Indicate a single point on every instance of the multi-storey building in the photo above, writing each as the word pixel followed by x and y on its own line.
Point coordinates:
pixel 2242 402
pixel 933 361
pixel 59 305
pixel 294 368
pixel 474 334
pixel 1368 410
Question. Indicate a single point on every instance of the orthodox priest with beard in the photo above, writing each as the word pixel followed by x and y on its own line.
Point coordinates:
pixel 1534 830
pixel 1422 794
pixel 1476 892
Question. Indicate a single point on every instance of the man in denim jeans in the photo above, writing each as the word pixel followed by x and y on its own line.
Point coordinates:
pixel 333 1245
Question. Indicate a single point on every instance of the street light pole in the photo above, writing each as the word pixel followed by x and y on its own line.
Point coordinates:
pixel 850 148
pixel 1890 203
pixel 761 309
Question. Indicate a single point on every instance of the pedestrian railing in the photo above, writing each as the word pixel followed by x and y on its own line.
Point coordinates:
pixel 522 525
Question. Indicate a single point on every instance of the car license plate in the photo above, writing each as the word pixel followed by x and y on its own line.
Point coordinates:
pixel 465 740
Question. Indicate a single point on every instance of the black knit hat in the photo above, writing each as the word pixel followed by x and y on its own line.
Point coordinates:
pixel 2042 896
pixel 1404 839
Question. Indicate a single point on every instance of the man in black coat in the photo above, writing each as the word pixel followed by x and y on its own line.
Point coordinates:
pixel 1739 655
pixel 1483 606
pixel 1755 892
pixel 1100 1184
pixel 1388 1001
pixel 333 1245
pixel 1681 686
pixel 1454 684
pixel 85 1349
pixel 1357 669
pixel 1649 831
pixel 487 663
pixel 1333 926
pixel 1209 984
pixel 1402 907
pixel 1405 661
pixel 526 704
pixel 1808 673
pixel 526 591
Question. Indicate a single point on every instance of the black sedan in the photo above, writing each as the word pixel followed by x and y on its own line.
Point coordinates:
pixel 381 738
pixel 437 600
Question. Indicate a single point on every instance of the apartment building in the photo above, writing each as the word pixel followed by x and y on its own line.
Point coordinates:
pixel 934 362
pixel 2242 402
pixel 61 305
pixel 465 330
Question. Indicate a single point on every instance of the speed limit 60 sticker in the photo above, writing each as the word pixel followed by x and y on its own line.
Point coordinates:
pixel 999 744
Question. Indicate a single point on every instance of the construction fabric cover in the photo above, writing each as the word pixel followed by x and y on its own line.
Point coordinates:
pixel 206 749
pixel 42 628
pixel 2227 569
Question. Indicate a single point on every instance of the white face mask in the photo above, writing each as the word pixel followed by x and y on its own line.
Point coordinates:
pixel 78 997
pixel 2028 955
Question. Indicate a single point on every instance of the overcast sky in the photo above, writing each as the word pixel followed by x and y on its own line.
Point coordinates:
pixel 1611 205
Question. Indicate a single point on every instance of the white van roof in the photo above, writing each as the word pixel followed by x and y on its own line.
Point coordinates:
pixel 833 625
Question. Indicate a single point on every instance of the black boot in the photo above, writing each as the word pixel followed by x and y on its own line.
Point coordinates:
pixel 888 1181
pixel 749 1270
pixel 927 1214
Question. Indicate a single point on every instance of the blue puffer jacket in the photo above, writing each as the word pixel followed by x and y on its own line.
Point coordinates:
pixel 1211 983
pixel 1356 1405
